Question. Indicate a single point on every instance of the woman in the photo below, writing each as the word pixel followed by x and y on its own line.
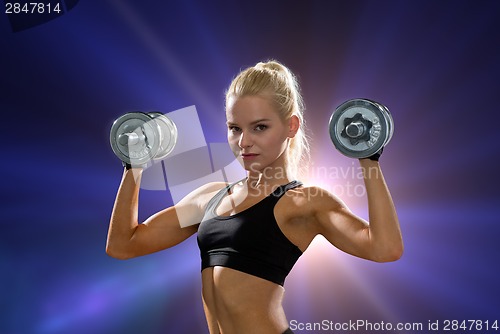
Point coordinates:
pixel 252 232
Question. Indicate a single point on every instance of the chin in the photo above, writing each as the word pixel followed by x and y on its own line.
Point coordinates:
pixel 252 167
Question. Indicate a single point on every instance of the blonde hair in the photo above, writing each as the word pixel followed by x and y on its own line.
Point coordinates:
pixel 274 79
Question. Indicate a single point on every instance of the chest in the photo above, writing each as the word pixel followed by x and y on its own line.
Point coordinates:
pixel 237 202
pixel 243 227
pixel 243 218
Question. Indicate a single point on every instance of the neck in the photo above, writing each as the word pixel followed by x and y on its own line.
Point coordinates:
pixel 268 177
pixel 275 174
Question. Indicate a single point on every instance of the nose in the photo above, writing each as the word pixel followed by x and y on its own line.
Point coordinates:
pixel 245 140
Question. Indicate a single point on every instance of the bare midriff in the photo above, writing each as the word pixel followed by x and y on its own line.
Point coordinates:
pixel 239 303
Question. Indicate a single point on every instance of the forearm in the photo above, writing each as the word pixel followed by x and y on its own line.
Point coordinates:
pixel 124 217
pixel 384 230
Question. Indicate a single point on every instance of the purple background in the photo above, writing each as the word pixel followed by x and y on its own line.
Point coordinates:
pixel 435 64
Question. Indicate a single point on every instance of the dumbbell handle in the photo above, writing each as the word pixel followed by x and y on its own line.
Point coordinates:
pixel 355 129
pixel 130 138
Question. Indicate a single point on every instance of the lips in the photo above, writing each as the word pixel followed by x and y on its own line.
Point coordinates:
pixel 249 155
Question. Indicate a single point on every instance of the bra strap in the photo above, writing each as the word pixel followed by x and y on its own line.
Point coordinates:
pixel 281 190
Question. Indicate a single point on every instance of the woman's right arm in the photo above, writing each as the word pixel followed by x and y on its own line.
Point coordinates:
pixel 127 238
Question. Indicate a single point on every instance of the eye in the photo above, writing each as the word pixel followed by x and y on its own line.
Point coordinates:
pixel 233 128
pixel 261 127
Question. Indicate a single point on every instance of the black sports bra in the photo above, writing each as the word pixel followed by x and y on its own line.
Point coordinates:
pixel 249 241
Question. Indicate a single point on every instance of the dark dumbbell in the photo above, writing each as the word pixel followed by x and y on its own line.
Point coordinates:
pixel 359 128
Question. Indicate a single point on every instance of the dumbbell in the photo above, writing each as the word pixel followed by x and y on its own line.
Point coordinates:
pixel 138 138
pixel 359 128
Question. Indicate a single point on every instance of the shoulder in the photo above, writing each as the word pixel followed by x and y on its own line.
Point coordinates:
pixel 298 210
pixel 210 187
pixel 202 195
pixel 309 199
pixel 190 209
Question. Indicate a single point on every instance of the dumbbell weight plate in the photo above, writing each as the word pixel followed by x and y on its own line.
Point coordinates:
pixel 134 138
pixel 388 115
pixel 373 114
pixel 168 134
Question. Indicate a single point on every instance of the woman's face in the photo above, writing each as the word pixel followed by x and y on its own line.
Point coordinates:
pixel 256 134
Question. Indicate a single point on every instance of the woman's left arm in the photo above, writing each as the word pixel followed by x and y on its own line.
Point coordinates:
pixel 379 240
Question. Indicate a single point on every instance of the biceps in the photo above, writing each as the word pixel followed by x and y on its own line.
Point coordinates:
pixel 160 231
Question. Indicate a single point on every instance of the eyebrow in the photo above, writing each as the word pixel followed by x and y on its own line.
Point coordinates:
pixel 252 123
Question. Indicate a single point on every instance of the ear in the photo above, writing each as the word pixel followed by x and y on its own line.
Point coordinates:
pixel 293 126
